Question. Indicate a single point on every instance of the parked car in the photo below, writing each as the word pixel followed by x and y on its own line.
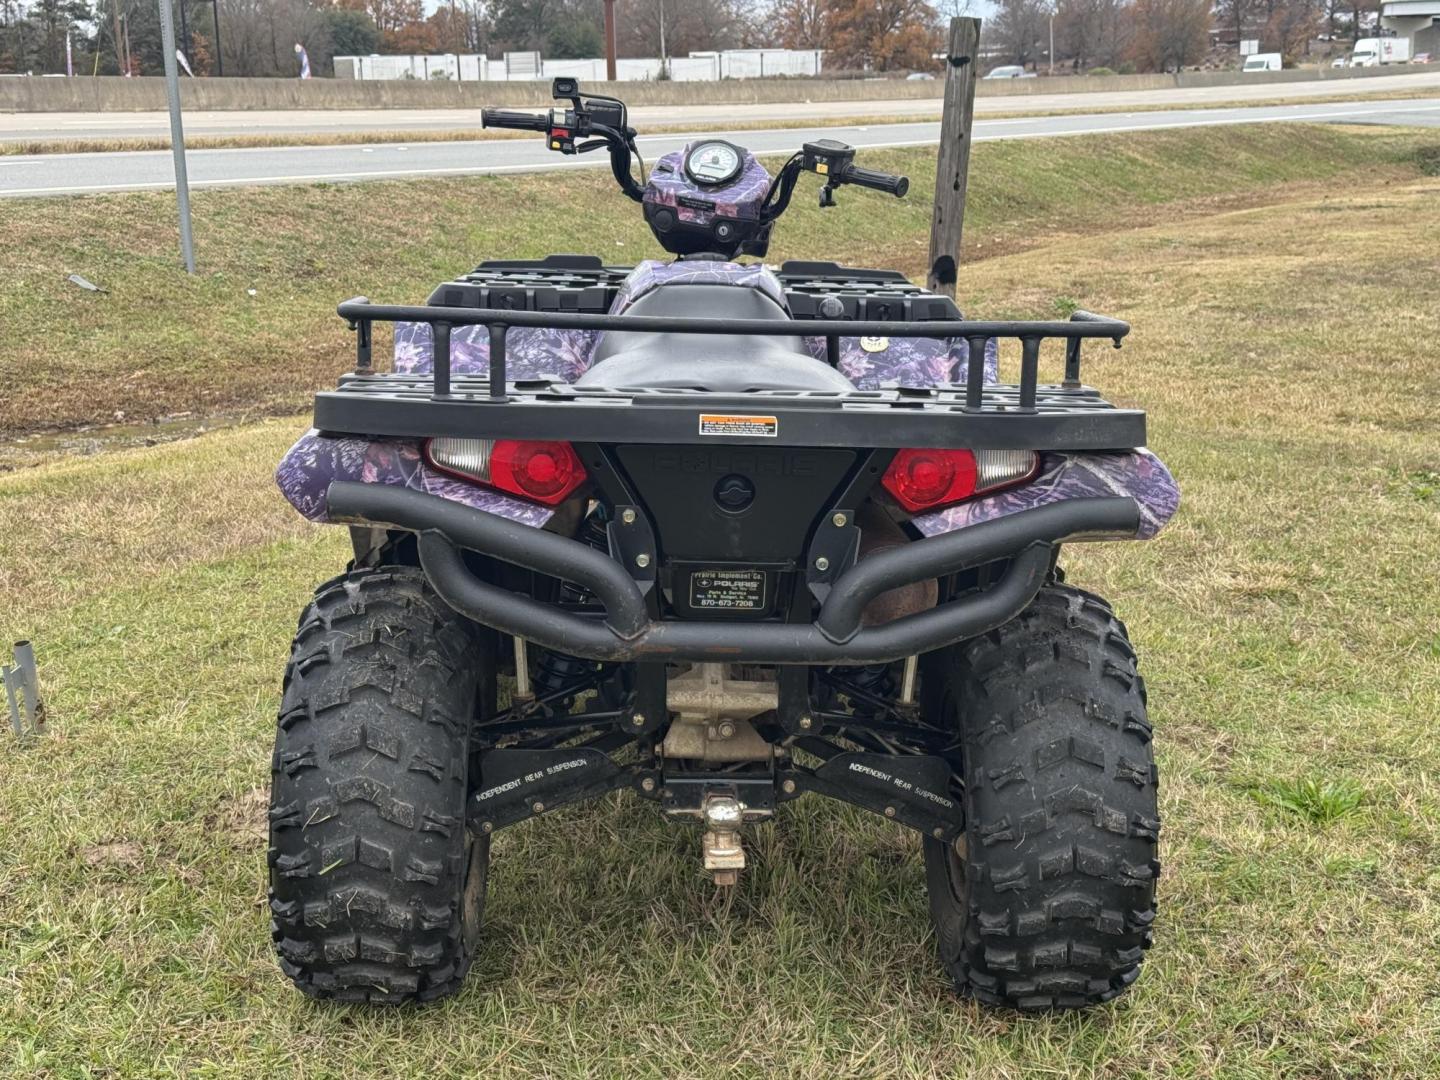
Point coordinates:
pixel 1010 71
pixel 1340 62
pixel 919 76
pixel 1421 58
pixel 1265 61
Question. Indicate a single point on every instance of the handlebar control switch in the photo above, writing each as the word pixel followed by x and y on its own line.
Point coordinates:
pixel 827 157
pixel 561 136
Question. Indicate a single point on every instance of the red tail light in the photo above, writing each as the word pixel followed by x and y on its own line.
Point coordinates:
pixel 927 479
pixel 544 472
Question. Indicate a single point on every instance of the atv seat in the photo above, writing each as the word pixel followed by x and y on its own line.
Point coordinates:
pixel 719 363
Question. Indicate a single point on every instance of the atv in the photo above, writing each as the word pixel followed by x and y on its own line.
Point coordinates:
pixel 720 535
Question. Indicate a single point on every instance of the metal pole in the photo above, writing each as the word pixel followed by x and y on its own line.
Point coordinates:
pixel 30 684
pixel 953 167
pixel 184 29
pixel 1052 43
pixel 177 133
pixel 664 64
pixel 10 676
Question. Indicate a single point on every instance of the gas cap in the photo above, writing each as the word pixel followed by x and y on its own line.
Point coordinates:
pixel 734 492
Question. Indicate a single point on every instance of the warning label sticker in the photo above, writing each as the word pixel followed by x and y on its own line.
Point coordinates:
pixel 728 590
pixel 766 427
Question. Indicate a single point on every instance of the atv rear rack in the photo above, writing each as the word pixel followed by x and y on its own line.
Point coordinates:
pixel 1068 416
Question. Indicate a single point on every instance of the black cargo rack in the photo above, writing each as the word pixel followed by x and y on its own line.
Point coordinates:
pixel 582 283
pixel 1068 416
pixel 579 283
pixel 875 295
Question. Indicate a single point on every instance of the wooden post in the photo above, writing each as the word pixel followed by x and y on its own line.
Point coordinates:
pixel 610 40
pixel 953 165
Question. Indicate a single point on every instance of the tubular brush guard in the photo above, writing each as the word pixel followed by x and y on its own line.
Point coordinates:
pixel 1027 539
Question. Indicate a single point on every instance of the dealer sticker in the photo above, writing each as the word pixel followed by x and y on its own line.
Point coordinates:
pixel 728 590
pixel 765 427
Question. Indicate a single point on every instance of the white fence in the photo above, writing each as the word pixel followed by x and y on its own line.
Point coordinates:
pixel 697 67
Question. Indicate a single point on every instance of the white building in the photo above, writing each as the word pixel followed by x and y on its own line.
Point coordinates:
pixel 520 66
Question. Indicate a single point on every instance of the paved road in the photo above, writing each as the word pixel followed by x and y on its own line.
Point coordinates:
pixel 62 174
pixel 31 126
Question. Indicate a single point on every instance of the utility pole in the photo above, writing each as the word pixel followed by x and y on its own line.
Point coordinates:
pixel 1052 41
pixel 177 133
pixel 610 40
pixel 219 53
pixel 184 30
pixel 953 166
pixel 664 61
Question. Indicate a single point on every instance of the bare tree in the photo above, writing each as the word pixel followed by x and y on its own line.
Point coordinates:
pixel 688 25
pixel 1093 33
pixel 1292 25
pixel 1170 33
pixel 802 24
pixel 260 36
pixel 1020 29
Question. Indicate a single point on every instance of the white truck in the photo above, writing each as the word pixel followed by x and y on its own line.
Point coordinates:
pixel 1265 61
pixel 1372 52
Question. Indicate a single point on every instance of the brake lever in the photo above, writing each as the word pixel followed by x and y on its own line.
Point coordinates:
pixel 827 196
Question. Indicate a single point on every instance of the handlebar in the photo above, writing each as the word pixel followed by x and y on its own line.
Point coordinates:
pixel 876 181
pixel 507 118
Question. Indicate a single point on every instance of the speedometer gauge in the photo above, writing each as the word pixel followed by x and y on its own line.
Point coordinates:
pixel 712 163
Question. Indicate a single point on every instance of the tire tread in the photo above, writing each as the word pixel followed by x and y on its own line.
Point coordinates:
pixel 368 841
pixel 1060 783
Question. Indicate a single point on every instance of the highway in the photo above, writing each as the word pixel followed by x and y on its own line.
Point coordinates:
pixel 83 173
pixel 29 127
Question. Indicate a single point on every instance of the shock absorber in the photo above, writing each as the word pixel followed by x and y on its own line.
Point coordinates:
pixel 874 680
pixel 554 671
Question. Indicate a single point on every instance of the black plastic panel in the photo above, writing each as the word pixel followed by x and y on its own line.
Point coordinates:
pixel 788 488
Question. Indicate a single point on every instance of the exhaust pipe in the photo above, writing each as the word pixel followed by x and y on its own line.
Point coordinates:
pixel 879 532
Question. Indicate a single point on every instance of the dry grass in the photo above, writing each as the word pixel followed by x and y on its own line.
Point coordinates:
pixel 1286 622
pixel 254 332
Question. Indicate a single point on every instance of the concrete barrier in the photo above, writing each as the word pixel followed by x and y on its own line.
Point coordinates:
pixel 113 94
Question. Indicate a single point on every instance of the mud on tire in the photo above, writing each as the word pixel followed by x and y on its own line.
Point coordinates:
pixel 376 885
pixel 1047 900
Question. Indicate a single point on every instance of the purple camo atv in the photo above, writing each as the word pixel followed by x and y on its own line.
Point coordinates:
pixel 720 535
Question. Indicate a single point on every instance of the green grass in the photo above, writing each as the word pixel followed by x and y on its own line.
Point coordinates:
pixel 1286 623
pixel 254 331
pixel 1320 801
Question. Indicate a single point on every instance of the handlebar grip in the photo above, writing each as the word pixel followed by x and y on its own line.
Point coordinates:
pixel 878 181
pixel 507 118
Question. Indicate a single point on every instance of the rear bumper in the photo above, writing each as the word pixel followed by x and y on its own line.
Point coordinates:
pixel 627 632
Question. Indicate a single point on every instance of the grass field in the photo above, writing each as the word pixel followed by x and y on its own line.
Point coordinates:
pixel 1287 624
